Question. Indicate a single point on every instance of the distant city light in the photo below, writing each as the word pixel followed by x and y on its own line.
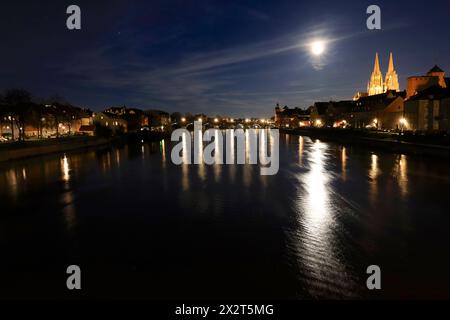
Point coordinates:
pixel 303 123
pixel 183 119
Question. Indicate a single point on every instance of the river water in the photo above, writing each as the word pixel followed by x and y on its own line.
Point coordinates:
pixel 141 227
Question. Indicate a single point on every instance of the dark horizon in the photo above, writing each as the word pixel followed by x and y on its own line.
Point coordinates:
pixel 233 58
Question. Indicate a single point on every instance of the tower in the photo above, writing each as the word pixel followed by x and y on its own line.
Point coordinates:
pixel 376 85
pixel 439 73
pixel 391 77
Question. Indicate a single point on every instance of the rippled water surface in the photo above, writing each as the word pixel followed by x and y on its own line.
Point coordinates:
pixel 139 226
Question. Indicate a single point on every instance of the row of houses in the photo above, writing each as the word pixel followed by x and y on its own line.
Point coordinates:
pixel 132 119
pixel 49 121
pixel 424 106
pixel 33 120
pixel 381 111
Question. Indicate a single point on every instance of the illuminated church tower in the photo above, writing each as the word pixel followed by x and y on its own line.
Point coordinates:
pixel 376 84
pixel 391 77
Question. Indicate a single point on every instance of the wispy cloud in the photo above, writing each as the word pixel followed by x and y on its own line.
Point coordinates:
pixel 197 80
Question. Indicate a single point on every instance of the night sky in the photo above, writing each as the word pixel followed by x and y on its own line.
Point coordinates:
pixel 235 58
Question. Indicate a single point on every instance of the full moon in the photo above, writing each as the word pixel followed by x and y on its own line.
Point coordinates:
pixel 317 47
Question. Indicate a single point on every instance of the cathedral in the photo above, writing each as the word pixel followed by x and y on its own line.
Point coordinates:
pixel 376 84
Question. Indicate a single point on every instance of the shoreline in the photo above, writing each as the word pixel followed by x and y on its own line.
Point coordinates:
pixel 30 149
pixel 387 144
pixel 42 148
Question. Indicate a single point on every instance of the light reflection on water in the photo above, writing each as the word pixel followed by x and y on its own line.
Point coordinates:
pixel 65 169
pixel 401 173
pixel 373 175
pixel 301 143
pixel 67 197
pixel 344 162
pixel 328 203
pixel 314 242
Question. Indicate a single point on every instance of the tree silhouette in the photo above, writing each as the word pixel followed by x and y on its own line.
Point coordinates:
pixel 18 105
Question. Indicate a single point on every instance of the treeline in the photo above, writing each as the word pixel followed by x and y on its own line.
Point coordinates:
pixel 19 110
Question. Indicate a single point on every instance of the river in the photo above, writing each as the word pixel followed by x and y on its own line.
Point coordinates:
pixel 141 227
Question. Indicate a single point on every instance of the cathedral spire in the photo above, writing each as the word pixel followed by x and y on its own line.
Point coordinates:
pixel 391 77
pixel 376 84
pixel 376 67
pixel 391 64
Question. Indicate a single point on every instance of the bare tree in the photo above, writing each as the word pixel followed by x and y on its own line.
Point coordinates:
pixel 18 106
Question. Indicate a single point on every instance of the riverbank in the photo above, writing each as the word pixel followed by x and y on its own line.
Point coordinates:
pixel 27 149
pixel 386 142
